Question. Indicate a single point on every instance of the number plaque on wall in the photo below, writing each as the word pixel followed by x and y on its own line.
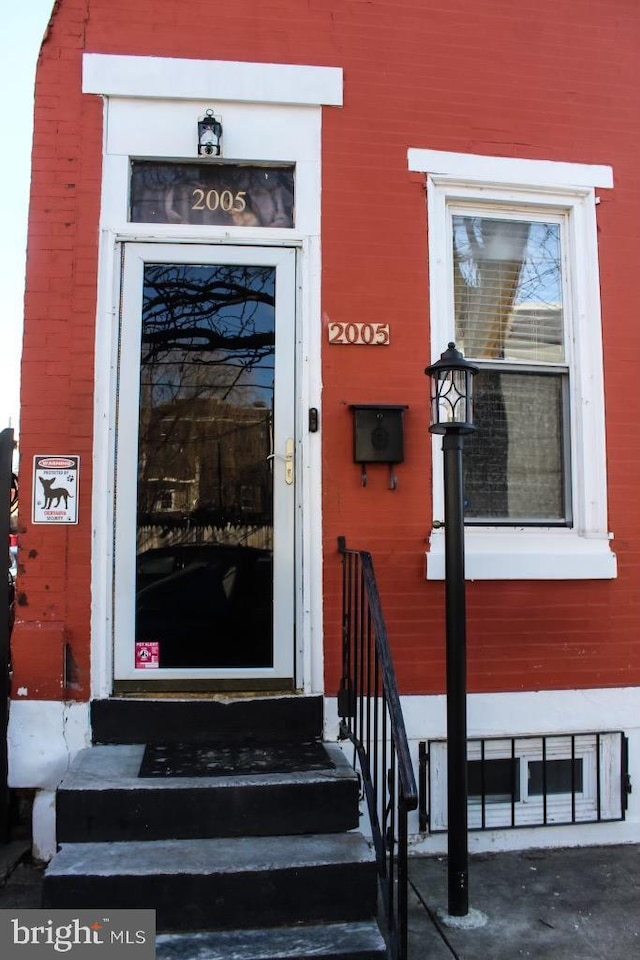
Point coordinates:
pixel 371 334
pixel 217 194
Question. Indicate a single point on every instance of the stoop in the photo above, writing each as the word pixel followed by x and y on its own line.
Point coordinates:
pixel 256 857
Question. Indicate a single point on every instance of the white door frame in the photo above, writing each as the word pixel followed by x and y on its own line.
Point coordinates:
pixel 126 449
pixel 272 112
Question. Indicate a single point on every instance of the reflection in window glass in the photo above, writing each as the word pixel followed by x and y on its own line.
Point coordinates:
pixel 555 776
pixel 212 194
pixel 514 462
pixel 204 510
pixel 508 289
pixel 498 781
pixel 509 315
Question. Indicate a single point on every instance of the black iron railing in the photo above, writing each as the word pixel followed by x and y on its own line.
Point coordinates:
pixel 371 717
pixel 7 490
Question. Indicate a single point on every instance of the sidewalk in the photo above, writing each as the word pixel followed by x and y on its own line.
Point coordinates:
pixel 573 904
pixel 577 904
pixel 20 877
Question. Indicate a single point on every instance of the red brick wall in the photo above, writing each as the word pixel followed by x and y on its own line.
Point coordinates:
pixel 553 80
pixel 57 367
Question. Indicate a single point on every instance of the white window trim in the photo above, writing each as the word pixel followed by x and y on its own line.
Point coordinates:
pixel 472 167
pixel 528 810
pixel 533 553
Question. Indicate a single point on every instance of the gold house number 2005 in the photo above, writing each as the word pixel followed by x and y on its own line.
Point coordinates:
pixel 219 199
pixel 371 334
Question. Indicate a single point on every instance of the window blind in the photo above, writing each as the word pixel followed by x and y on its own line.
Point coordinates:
pixel 508 289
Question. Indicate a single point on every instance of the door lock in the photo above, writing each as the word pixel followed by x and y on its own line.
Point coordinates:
pixel 289 450
pixel 288 461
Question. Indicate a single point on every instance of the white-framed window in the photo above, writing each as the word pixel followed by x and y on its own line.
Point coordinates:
pixel 513 275
pixel 533 781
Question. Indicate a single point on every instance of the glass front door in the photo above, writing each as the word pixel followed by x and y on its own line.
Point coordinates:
pixel 204 570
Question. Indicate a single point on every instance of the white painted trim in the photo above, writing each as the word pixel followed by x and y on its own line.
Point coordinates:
pixel 497 553
pixel 309 633
pixel 528 809
pixel 518 553
pixel 42 739
pixel 515 170
pixel 520 714
pixel 43 825
pixel 45 736
pixel 105 378
pixel 298 141
pixel 175 79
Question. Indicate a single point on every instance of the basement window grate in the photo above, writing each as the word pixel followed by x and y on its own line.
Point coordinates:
pixel 530 781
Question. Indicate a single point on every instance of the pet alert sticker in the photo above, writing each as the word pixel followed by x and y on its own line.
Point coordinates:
pixel 55 489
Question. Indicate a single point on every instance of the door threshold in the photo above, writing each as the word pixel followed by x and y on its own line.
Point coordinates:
pixel 151 688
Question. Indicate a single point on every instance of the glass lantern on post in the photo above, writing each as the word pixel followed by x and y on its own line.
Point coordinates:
pixel 452 417
pixel 452 393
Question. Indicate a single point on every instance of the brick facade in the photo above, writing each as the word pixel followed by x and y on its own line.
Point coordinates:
pixel 555 81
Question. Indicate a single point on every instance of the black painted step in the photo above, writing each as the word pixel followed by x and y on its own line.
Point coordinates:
pixel 102 798
pixel 330 941
pixel 222 883
pixel 130 720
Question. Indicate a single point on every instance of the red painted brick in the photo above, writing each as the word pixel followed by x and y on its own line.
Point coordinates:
pixel 553 80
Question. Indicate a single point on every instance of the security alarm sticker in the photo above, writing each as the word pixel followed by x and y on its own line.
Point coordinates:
pixel 55 489
pixel 147 655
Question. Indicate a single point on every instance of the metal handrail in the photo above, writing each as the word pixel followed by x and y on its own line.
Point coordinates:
pixel 371 718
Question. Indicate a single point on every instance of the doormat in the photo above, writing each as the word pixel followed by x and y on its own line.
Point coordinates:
pixel 220 760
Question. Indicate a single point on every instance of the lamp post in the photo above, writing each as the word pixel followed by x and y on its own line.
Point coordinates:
pixel 452 417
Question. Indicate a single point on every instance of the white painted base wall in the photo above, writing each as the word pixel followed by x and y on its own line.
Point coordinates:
pixel 44 736
pixel 519 714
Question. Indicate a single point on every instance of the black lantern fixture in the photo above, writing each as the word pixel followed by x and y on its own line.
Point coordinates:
pixel 452 416
pixel 209 135
pixel 452 393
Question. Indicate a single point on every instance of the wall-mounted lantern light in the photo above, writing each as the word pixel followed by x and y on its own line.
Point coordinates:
pixel 209 135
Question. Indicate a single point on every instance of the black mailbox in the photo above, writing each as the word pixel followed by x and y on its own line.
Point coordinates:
pixel 378 435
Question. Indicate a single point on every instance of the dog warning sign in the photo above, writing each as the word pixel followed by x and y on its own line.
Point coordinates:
pixel 55 489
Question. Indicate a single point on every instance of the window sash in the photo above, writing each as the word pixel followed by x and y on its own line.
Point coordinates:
pixel 497 456
pixel 508 275
pixel 503 262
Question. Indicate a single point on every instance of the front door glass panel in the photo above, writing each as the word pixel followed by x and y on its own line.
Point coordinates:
pixel 204 543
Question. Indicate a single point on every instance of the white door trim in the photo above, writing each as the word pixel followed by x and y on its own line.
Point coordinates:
pixel 250 132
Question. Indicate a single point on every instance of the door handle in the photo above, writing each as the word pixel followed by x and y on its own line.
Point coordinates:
pixel 288 458
pixel 288 461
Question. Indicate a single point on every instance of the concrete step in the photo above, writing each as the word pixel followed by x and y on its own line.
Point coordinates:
pixel 222 883
pixel 102 798
pixel 227 719
pixel 330 941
